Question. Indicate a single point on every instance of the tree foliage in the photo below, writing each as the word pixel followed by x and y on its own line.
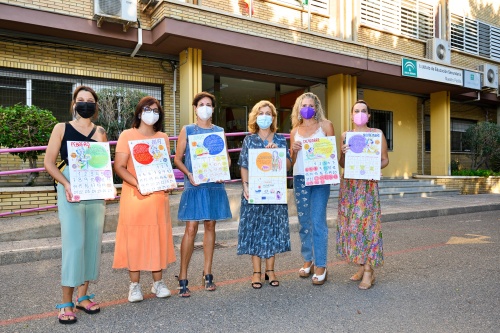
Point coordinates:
pixel 484 142
pixel 26 126
pixel 116 109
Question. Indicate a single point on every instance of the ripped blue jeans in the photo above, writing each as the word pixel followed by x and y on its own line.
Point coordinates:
pixel 311 210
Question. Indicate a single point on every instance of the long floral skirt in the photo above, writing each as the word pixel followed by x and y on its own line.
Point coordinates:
pixel 359 230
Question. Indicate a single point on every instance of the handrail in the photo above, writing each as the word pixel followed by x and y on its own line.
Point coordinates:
pixel 25 149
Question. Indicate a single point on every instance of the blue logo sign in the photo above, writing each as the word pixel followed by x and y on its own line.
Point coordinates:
pixel 409 67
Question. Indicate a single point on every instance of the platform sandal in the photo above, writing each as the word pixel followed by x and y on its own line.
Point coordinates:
pixel 208 281
pixel 63 313
pixel 183 289
pixel 273 283
pixel 87 308
pixel 305 272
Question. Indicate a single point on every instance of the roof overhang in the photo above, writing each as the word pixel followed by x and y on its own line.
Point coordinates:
pixel 225 52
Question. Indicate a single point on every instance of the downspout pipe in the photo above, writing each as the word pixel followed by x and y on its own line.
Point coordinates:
pixel 139 40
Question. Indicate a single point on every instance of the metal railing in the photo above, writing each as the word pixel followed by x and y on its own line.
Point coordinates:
pixel 36 209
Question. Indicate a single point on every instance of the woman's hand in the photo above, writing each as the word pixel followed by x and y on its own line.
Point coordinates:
pixel 345 148
pixel 69 194
pixel 297 146
pixel 271 145
pixel 191 179
pixel 245 190
pixel 143 194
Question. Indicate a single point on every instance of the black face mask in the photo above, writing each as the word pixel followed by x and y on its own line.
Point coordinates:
pixel 85 109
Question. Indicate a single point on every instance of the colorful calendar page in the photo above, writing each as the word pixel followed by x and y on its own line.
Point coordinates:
pixel 209 157
pixel 90 170
pixel 267 176
pixel 320 161
pixel 362 160
pixel 152 164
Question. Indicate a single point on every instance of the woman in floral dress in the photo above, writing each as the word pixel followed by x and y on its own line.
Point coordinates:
pixel 263 230
pixel 359 230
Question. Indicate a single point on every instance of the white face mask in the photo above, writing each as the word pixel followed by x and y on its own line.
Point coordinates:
pixel 150 118
pixel 204 112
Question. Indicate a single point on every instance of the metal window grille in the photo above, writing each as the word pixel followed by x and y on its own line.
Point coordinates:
pixel 475 37
pixel 383 121
pixel 54 92
pixel 412 18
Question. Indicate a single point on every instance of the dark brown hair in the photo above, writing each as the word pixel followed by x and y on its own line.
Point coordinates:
pixel 75 94
pixel 202 95
pixel 148 101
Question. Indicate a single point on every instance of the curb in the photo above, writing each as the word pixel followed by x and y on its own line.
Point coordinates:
pixel 226 233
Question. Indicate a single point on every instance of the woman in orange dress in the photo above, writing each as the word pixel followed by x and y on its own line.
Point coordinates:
pixel 144 235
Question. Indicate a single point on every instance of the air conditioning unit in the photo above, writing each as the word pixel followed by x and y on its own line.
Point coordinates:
pixel 122 10
pixel 439 50
pixel 490 76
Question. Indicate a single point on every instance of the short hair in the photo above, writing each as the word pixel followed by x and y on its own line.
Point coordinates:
pixel 200 96
pixel 298 105
pixel 252 118
pixel 148 101
pixel 75 94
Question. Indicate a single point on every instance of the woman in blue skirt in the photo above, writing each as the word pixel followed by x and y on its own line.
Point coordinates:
pixel 205 202
pixel 263 230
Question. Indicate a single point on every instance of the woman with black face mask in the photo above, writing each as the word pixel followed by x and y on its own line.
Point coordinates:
pixel 82 222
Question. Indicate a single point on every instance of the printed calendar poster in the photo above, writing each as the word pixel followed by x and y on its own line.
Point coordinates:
pixel 363 159
pixel 208 157
pixel 267 176
pixel 152 164
pixel 90 170
pixel 320 161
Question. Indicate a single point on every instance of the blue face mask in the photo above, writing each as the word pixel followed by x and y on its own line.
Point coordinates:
pixel 264 121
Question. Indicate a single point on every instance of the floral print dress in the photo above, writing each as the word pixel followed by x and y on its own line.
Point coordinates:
pixel 263 229
pixel 359 229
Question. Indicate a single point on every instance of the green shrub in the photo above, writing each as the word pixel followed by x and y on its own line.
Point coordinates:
pixel 26 126
pixel 477 173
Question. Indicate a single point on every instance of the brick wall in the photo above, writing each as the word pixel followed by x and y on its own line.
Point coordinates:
pixel 83 63
pixel 467 185
pixel 17 198
pixel 10 162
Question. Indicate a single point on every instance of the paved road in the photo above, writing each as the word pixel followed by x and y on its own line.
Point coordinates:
pixel 440 275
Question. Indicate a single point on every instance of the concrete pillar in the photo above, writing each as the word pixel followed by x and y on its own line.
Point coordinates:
pixel 341 93
pixel 440 134
pixel 190 70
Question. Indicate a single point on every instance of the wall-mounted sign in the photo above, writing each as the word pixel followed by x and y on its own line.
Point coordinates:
pixel 432 72
pixel 472 80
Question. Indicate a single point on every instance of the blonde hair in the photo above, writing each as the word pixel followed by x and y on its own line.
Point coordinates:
pixel 252 118
pixel 320 114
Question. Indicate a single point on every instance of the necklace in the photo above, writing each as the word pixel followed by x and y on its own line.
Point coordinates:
pixel 265 139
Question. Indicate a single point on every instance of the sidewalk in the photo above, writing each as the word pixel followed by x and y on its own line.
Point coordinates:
pixel 27 250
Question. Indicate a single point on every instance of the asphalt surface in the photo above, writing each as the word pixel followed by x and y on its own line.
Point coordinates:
pixel 440 275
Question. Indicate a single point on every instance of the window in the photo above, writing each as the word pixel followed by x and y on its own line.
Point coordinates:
pixel 54 92
pixel 317 6
pixel 412 18
pixel 475 37
pixel 383 121
pixel 458 127
pixel 12 90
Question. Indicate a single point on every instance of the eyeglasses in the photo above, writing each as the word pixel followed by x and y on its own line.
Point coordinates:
pixel 147 109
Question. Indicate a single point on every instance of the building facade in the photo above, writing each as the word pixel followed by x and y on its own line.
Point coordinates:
pixel 246 51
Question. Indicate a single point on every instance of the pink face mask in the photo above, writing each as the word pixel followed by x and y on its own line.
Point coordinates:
pixel 360 118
